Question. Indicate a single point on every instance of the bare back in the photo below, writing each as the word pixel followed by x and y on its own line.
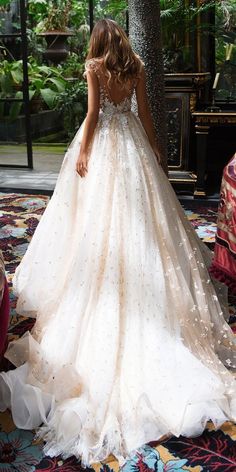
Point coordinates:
pixel 111 90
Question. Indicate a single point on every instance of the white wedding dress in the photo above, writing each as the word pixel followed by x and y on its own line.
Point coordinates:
pixel 130 341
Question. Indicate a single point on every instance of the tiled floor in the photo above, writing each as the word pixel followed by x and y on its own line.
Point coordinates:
pixel 47 162
pixel 27 179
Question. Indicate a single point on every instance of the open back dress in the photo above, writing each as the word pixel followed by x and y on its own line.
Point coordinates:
pixel 131 341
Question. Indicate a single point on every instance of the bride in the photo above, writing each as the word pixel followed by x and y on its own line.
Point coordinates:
pixel 131 341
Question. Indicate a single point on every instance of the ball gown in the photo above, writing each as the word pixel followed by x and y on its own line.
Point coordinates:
pixel 131 340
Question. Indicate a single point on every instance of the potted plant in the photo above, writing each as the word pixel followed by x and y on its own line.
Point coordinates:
pixel 45 84
pixel 54 27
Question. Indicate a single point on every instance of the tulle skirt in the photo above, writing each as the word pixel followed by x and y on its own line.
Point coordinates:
pixel 131 340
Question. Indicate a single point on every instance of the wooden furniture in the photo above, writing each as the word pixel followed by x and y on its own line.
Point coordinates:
pixel 184 93
pixel 204 121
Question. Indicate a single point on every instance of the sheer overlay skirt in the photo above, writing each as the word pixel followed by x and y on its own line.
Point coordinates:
pixel 130 341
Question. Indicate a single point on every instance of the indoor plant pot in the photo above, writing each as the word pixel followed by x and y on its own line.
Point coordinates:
pixel 57 47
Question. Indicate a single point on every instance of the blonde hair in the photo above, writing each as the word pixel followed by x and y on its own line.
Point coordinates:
pixel 109 42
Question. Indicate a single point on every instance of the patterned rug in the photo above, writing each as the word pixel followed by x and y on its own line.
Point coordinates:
pixel 214 451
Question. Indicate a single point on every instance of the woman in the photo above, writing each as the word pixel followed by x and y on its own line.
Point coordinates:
pixel 223 266
pixel 130 342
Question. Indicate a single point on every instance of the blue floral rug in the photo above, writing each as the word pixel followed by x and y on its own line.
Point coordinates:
pixel 214 451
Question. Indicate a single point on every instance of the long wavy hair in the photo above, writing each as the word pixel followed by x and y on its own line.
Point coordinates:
pixel 109 42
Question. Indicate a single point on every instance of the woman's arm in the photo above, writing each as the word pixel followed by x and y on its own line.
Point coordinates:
pixel 145 114
pixel 90 122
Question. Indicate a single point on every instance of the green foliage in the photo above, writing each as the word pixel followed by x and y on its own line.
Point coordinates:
pixel 225 32
pixel 79 14
pixel 115 9
pixel 37 11
pixel 11 73
pixel 78 44
pixel 52 15
pixel 57 15
pixel 3 4
pixel 11 77
pixel 73 67
pixel 179 20
pixel 72 103
pixel 226 14
pixel 45 84
pixel 61 14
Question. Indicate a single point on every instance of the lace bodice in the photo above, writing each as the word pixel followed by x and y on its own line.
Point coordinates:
pixel 107 105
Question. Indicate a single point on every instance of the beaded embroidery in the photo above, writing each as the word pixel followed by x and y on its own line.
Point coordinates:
pixel 107 106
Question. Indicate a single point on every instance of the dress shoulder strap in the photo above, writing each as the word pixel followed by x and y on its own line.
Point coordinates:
pixel 92 65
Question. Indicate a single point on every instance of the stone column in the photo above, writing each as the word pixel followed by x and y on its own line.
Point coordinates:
pixel 145 36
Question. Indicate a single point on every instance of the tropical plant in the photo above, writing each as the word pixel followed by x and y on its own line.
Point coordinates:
pixel 11 78
pixel 115 9
pixel 11 73
pixel 53 15
pixel 57 14
pixel 79 14
pixel 72 104
pixel 37 11
pixel 78 44
pixel 3 4
pixel 179 20
pixel 73 67
pixel 45 84
pixel 226 30
pixel 226 13
pixel 60 14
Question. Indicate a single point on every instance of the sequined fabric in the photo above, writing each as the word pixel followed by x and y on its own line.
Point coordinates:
pixel 130 341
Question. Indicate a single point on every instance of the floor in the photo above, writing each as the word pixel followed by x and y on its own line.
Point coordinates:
pixel 47 162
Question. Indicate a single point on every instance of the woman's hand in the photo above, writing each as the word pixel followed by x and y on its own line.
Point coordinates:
pixel 157 153
pixel 82 164
pixel 162 163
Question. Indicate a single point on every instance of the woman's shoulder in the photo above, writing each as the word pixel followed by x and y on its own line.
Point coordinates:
pixel 93 64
